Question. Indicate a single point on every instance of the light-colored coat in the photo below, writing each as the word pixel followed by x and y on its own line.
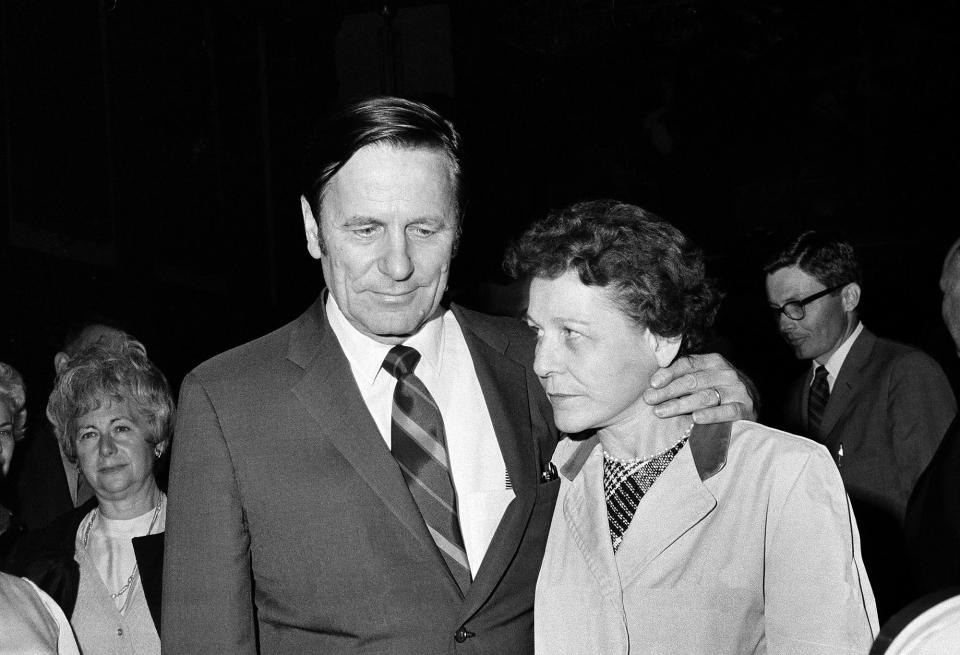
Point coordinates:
pixel 745 544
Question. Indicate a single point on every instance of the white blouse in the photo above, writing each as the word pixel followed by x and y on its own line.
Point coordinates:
pixel 109 545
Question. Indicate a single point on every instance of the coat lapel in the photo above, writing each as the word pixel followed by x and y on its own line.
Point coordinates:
pixel 676 502
pixel 504 386
pixel 848 383
pixel 329 393
pixel 585 514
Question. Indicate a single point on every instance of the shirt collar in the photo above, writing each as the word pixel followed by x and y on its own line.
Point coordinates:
pixel 835 363
pixel 366 354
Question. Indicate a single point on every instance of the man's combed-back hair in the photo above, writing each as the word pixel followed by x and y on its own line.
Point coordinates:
pixel 826 257
pixel 118 371
pixel 654 274
pixel 378 120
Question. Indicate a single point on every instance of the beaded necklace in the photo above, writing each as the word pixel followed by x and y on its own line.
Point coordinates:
pixel 632 461
pixel 86 536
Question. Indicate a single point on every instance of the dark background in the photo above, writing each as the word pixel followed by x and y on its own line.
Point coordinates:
pixel 150 150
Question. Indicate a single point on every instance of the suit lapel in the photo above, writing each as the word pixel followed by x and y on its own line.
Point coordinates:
pixel 329 393
pixel 848 383
pixel 505 393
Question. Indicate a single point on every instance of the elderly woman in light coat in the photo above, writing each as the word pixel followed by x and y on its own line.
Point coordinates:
pixel 670 537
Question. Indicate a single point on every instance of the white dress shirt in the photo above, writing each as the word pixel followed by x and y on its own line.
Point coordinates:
pixel 835 363
pixel 446 369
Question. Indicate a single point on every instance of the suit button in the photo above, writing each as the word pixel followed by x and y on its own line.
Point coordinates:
pixel 462 635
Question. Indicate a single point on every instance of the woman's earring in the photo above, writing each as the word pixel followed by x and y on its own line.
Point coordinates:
pixel 157 451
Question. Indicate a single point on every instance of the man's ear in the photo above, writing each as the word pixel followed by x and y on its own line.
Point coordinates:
pixel 665 349
pixel 311 228
pixel 850 296
pixel 60 361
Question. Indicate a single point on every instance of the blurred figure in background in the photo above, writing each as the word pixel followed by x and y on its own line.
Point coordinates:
pixel 30 621
pixel 13 419
pixel 112 412
pixel 933 515
pixel 879 406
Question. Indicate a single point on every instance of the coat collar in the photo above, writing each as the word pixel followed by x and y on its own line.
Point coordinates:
pixel 678 501
pixel 708 445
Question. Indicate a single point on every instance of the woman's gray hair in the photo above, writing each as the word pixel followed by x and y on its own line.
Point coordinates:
pixel 101 372
pixel 14 395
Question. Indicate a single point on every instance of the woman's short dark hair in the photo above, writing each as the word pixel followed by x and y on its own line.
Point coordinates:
pixel 119 371
pixel 827 257
pixel 656 275
pixel 382 119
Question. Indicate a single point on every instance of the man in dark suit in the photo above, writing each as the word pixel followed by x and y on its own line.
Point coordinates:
pixel 933 514
pixel 879 406
pixel 375 476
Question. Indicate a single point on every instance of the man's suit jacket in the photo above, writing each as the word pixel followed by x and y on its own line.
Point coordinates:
pixel 888 409
pixel 933 518
pixel 290 524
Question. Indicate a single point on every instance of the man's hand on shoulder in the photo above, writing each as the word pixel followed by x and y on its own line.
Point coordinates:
pixel 707 386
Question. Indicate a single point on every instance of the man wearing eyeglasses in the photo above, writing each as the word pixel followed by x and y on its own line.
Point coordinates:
pixel 879 406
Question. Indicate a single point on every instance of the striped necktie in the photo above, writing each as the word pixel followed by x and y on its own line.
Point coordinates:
pixel 817 403
pixel 419 445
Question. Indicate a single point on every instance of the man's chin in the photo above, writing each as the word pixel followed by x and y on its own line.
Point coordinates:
pixel 394 333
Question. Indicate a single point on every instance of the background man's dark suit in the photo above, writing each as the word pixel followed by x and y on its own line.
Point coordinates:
pixel 889 408
pixel 282 480
pixel 933 517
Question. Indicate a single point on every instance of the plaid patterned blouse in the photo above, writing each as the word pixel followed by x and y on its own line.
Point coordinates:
pixel 626 481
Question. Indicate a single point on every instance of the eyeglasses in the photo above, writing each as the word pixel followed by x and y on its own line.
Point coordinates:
pixel 795 308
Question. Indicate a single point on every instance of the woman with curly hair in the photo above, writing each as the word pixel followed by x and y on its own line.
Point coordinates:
pixel 670 537
pixel 112 412
pixel 13 413
pixel 13 419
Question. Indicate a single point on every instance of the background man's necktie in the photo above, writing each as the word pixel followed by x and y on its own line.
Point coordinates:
pixel 419 445
pixel 819 395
